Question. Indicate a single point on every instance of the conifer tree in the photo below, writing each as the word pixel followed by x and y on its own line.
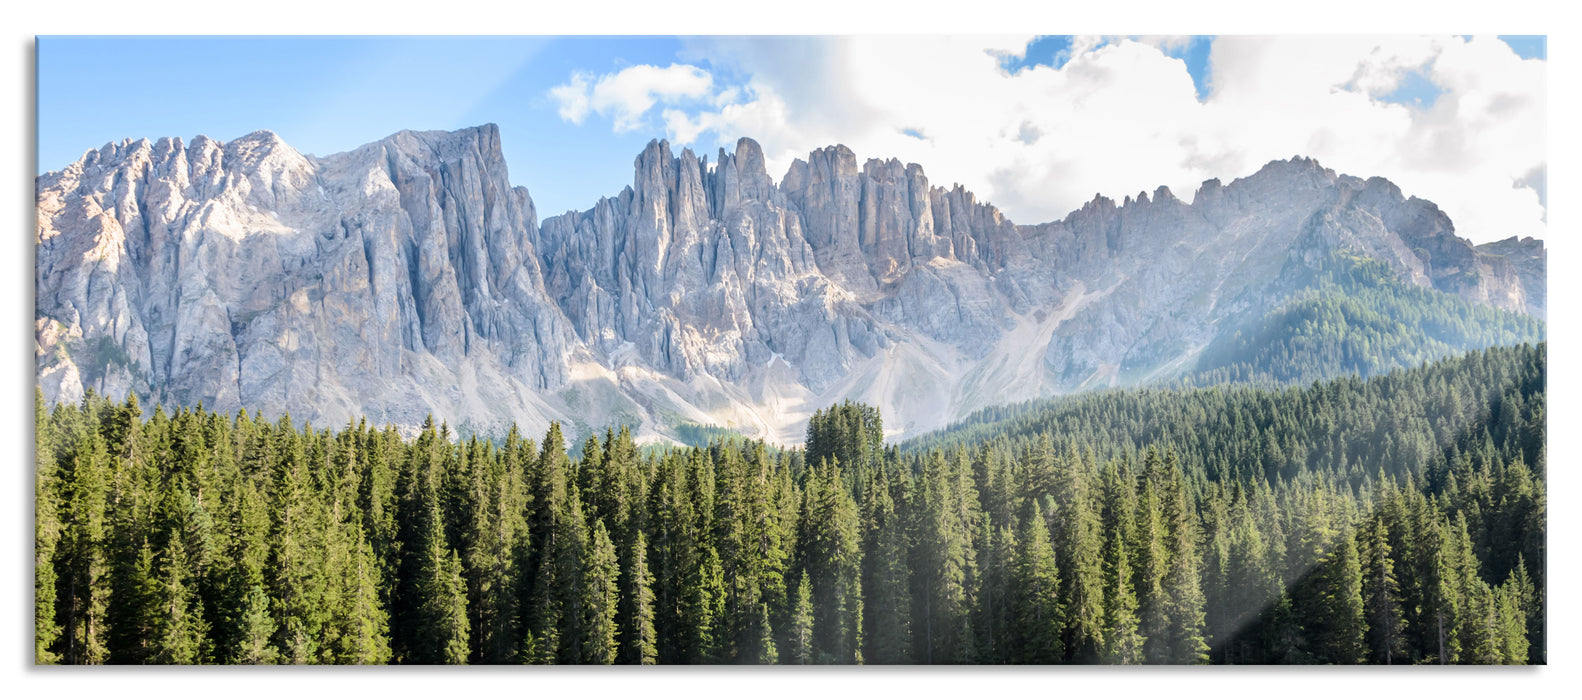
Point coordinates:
pixel 1475 636
pixel 1511 619
pixel 737 519
pixel 1122 642
pixel 831 562
pixel 1037 618
pixel 939 569
pixel 565 596
pixel 1446 603
pixel 887 603
pixel 1342 624
pixel 994 606
pixel 449 612
pixel 1078 543
pixel 639 641
pixel 190 537
pixel 254 644
pixel 674 549
pixel 768 653
pixel 801 651
pixel 1381 598
pixel 1183 592
pixel 366 635
pixel 46 534
pixel 1525 598
pixel 496 551
pixel 556 564
pixel 703 611
pixel 602 591
pixel 86 584
pixel 181 634
pixel 296 556
pixel 772 546
pixel 1153 561
pixel 438 625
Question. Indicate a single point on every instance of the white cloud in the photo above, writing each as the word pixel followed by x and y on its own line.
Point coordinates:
pixel 626 97
pixel 572 98
pixel 1119 117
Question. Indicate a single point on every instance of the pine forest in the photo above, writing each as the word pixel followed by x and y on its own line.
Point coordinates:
pixel 1393 519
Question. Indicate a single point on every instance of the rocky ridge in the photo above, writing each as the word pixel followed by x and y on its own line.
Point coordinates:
pixel 408 277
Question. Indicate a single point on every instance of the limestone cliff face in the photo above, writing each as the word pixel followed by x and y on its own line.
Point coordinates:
pixel 409 277
pixel 1529 261
pixel 389 281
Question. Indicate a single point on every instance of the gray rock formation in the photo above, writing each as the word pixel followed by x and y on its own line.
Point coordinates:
pixel 409 277
pixel 390 281
pixel 1530 261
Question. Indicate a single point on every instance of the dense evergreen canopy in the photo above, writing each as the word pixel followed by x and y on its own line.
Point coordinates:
pixel 1394 520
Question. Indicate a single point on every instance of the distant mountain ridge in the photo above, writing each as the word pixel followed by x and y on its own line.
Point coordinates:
pixel 409 277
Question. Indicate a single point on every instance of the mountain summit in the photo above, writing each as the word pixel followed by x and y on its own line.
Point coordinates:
pixel 408 277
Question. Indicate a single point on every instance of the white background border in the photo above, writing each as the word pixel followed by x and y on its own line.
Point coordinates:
pixel 18 144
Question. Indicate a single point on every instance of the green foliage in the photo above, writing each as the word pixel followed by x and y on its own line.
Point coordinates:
pixel 849 434
pixel 1037 614
pixel 641 646
pixel 255 647
pixel 1357 317
pixel 1399 519
pixel 600 574
pixel 46 535
pixel 801 646
pixel 700 435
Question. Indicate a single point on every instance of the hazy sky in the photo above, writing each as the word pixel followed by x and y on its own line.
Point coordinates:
pixel 1037 125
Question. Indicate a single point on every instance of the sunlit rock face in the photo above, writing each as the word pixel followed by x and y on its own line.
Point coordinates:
pixel 408 278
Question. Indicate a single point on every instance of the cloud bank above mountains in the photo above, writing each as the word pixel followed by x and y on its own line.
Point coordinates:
pixel 1456 120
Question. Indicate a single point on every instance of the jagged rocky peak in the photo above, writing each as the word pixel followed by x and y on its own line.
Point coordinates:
pixel 371 282
pixel 409 277
pixel 482 141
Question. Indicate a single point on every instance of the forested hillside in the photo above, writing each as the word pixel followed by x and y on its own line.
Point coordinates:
pixel 1355 317
pixel 1397 520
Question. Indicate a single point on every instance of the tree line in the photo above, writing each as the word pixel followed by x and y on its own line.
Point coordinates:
pixel 1190 526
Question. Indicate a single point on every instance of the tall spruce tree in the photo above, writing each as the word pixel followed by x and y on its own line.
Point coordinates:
pixel 939 566
pixel 181 633
pixel 639 642
pixel 801 635
pixel 1150 544
pixel 1123 644
pixel 1183 593
pixel 47 528
pixel 1078 543
pixel 1037 618
pixel 1381 597
pixel 831 561
pixel 86 581
pixel 885 583
pixel 254 645
pixel 601 587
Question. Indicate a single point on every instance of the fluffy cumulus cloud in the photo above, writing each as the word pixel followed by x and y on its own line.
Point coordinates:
pixel 1118 117
pixel 625 96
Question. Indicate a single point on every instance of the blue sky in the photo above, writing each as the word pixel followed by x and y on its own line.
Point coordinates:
pixel 330 94
pixel 1033 124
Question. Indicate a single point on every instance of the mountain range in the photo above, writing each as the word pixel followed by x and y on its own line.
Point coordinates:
pixel 409 278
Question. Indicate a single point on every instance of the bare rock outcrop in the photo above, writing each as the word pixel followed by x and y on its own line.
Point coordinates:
pixel 408 277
